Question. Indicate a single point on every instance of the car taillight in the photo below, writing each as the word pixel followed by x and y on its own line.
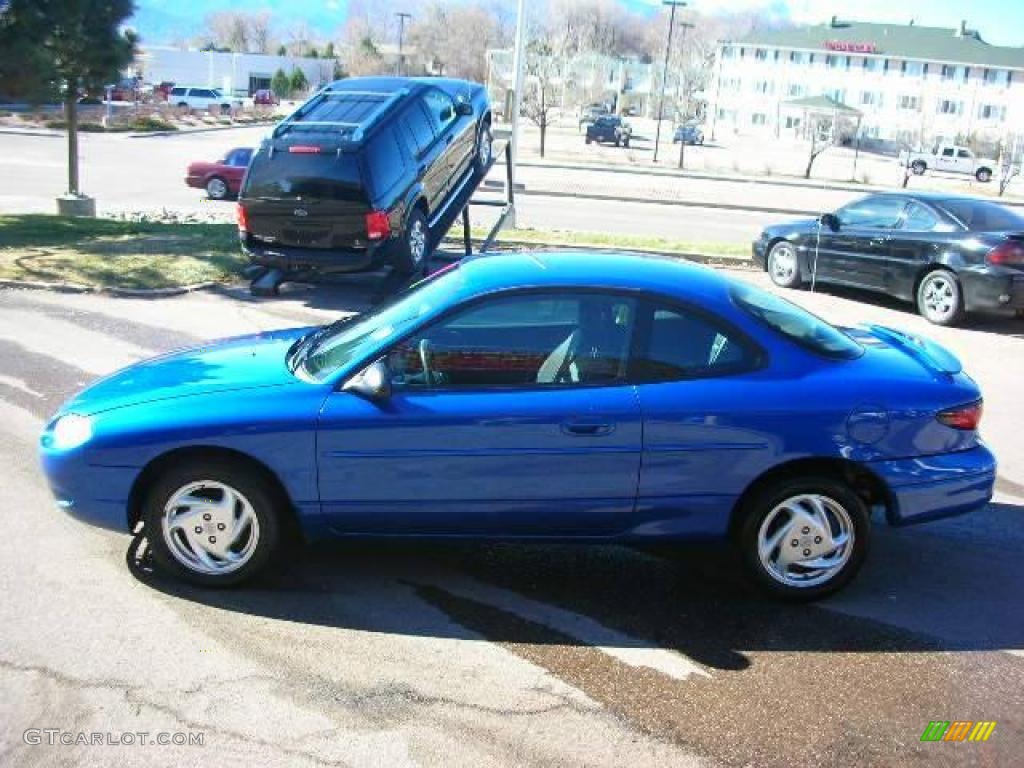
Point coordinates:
pixel 243 218
pixel 303 149
pixel 1010 252
pixel 378 227
pixel 965 417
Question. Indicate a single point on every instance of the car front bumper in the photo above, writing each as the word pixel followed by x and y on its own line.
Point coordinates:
pixel 988 288
pixel 759 250
pixel 95 495
pixel 932 487
pixel 292 259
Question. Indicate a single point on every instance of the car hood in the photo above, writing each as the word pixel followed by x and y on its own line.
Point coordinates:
pixel 244 362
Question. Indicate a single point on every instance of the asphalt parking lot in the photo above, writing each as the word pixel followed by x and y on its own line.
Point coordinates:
pixel 498 654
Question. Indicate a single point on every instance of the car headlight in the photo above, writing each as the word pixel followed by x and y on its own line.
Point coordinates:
pixel 70 431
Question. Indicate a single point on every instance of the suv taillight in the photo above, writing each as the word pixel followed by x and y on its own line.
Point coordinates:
pixel 966 417
pixel 1010 252
pixel 378 227
pixel 243 218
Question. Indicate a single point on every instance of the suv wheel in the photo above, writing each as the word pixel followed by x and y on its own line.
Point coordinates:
pixel 918 167
pixel 802 539
pixel 412 252
pixel 484 147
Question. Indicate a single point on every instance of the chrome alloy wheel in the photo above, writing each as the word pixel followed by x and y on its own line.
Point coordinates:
pixel 210 528
pixel 805 540
pixel 783 263
pixel 483 148
pixel 939 296
pixel 216 189
pixel 417 241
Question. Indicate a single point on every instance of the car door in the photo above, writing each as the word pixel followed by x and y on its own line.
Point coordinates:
pixel 417 132
pixel 946 159
pixel 858 250
pixel 511 416
pixel 912 245
pixel 964 161
pixel 450 127
pixel 696 377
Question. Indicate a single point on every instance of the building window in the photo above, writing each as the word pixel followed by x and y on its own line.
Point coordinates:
pixel 951 72
pixel 795 89
pixel 870 65
pixel 761 54
pixel 910 102
pixel 950 107
pixel 832 62
pixel 849 61
pixel 761 86
pixel 759 118
pixel 743 52
pixel 1000 77
pixel 810 59
pixel 792 122
pixel 728 52
pixel 871 99
pixel 991 112
pixel 837 94
pixel 913 69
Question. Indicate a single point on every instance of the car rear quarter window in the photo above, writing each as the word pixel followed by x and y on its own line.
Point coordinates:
pixel 287 176
pixel 794 323
pixel 385 159
pixel 418 128
pixel 982 216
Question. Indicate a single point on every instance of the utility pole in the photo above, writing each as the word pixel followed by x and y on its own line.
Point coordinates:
pixel 402 16
pixel 686 97
pixel 673 4
pixel 518 61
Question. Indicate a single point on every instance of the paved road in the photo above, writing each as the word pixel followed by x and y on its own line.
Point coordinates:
pixel 421 654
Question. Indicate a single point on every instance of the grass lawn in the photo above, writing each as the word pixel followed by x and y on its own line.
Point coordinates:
pixel 104 253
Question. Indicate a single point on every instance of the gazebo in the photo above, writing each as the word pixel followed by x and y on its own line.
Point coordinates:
pixel 820 110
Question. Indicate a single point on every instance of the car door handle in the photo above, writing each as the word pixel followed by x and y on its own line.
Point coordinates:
pixel 587 428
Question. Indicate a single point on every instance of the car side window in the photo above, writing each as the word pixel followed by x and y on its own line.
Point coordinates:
pixel 678 343
pixel 385 160
pixel 441 109
pixel 947 152
pixel 523 341
pixel 963 153
pixel 919 219
pixel 416 125
pixel 873 212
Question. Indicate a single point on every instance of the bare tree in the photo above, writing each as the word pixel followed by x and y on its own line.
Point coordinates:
pixel 539 96
pixel 453 40
pixel 228 29
pixel 259 32
pixel 300 37
pixel 1010 167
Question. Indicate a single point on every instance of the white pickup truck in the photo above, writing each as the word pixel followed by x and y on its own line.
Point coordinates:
pixel 950 158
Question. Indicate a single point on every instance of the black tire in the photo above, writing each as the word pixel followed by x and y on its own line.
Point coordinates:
pixel 484 148
pixel 762 511
pixel 625 143
pixel 940 298
pixel 411 257
pixel 217 189
pixel 618 141
pixel 984 175
pixel 918 167
pixel 587 140
pixel 783 265
pixel 251 485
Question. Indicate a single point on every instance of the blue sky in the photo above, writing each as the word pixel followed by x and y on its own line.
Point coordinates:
pixel 1000 21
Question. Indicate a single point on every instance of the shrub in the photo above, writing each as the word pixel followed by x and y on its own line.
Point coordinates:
pixel 151 123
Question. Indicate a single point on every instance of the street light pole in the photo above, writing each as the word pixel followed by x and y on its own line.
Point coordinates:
pixel 517 100
pixel 673 4
pixel 686 96
pixel 402 16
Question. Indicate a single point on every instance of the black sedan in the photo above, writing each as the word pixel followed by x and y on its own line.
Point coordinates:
pixel 949 255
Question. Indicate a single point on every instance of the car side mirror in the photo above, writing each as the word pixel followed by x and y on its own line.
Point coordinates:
pixel 831 221
pixel 464 108
pixel 373 382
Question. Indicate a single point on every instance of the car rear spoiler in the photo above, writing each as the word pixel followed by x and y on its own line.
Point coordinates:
pixel 932 356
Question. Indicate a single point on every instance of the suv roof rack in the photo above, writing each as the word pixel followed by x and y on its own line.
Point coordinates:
pixel 361 108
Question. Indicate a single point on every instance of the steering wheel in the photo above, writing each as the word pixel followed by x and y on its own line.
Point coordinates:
pixel 428 374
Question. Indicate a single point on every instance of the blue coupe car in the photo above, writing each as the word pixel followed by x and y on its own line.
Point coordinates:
pixel 583 396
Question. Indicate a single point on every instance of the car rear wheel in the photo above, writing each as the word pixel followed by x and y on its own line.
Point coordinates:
pixel 783 266
pixel 217 188
pixel 412 252
pixel 984 175
pixel 939 298
pixel 212 523
pixel 918 167
pixel 802 539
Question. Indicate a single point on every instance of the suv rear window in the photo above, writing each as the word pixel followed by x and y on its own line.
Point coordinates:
pixel 794 323
pixel 286 176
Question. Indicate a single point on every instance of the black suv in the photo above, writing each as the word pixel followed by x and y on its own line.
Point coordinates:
pixel 363 174
pixel 610 129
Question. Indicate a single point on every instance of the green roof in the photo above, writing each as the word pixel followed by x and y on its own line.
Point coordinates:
pixel 904 41
pixel 822 104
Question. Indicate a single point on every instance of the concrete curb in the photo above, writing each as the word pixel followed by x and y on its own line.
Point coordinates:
pixel 534 192
pixel 46 133
pixel 190 131
pixel 38 285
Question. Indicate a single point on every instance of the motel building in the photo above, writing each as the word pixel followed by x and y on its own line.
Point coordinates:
pixel 905 83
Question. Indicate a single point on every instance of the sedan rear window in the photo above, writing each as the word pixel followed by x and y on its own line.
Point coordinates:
pixel 795 323
pixel 982 216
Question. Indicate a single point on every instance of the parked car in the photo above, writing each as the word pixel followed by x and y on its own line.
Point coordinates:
pixel 591 112
pixel 202 99
pixel 950 158
pixel 265 98
pixel 609 129
pixel 672 402
pixel 363 173
pixel 949 254
pixel 221 179
pixel 690 134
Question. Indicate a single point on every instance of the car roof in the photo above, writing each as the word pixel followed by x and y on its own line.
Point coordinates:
pixel 651 273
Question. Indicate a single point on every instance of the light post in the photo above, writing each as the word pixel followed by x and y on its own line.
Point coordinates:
pixel 686 97
pixel 673 4
pixel 517 100
pixel 402 16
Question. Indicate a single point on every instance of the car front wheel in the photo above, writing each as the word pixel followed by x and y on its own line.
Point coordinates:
pixel 939 298
pixel 484 147
pixel 984 175
pixel 783 265
pixel 803 539
pixel 212 523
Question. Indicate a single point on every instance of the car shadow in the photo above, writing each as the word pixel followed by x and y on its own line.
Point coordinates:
pixel 690 599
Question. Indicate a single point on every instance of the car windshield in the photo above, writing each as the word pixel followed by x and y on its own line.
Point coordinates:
pixel 318 355
pixel 982 216
pixel 795 323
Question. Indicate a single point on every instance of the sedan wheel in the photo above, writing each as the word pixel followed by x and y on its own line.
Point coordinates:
pixel 783 267
pixel 213 523
pixel 805 538
pixel 217 188
pixel 939 299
